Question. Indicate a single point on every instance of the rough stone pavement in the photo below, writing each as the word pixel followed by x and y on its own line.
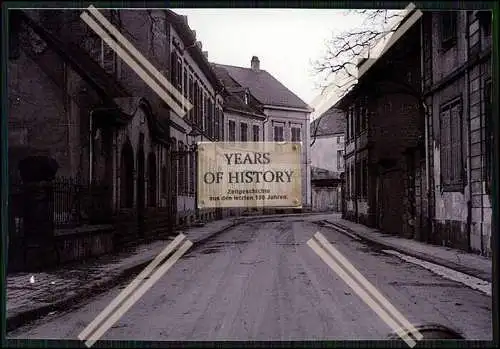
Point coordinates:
pixel 32 295
pixel 468 263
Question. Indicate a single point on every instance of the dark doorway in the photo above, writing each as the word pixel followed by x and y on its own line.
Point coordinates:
pixel 127 176
pixel 140 186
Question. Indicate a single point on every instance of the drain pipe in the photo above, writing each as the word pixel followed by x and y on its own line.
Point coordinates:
pixel 426 116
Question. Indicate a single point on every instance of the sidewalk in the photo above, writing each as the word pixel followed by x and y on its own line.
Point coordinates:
pixel 62 288
pixel 467 263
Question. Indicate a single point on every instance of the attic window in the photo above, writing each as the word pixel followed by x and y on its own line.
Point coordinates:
pixel 246 97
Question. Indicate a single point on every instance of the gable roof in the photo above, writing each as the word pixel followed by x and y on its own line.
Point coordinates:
pixel 234 99
pixel 329 123
pixel 265 87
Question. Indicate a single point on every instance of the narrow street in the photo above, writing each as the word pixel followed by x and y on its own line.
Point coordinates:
pixel 261 281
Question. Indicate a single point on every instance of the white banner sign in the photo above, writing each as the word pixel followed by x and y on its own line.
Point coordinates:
pixel 249 174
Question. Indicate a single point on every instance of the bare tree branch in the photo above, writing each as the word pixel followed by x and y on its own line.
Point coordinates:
pixel 338 65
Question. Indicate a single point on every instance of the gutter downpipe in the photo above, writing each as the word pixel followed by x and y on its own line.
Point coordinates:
pixel 426 139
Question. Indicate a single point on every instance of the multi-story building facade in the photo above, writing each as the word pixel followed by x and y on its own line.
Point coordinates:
pixel 327 157
pixel 457 89
pixel 286 115
pixel 430 137
pixel 382 121
pixel 73 99
pixel 327 141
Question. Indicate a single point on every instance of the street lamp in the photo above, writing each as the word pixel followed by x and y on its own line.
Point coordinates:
pixel 195 132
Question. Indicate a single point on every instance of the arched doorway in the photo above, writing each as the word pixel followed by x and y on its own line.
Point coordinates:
pixel 140 185
pixel 151 180
pixel 127 176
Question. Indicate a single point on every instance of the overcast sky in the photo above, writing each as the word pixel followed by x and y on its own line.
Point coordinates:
pixel 285 40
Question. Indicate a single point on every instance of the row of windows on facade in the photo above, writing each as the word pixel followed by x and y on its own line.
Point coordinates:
pixel 278 135
pixel 205 114
pixel 356 180
pixel 451 143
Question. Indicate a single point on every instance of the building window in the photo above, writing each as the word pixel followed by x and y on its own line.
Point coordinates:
pixel 181 173
pixel 185 83
pixel 221 135
pixel 351 122
pixel 217 123
pixel 199 108
pixel 357 119
pixel 364 176
pixel 363 115
pixel 192 173
pixel 185 161
pixel 338 139
pixel 246 97
pixel 164 180
pixel 191 95
pixel 152 180
pixel 452 171
pixel 340 160
pixel 448 28
pixel 243 132
pixel 488 101
pixel 358 183
pixel 278 134
pixel 232 131
pixel 296 134
pixel 256 131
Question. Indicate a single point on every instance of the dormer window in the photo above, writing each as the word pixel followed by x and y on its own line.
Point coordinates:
pixel 246 97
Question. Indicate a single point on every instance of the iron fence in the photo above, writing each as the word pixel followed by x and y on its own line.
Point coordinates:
pixel 74 203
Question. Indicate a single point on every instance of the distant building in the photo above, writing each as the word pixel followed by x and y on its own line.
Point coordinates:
pixel 286 115
pixel 326 190
pixel 419 136
pixel 327 151
pixel 327 141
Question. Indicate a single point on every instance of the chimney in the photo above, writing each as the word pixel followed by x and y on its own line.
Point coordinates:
pixel 205 53
pixel 255 63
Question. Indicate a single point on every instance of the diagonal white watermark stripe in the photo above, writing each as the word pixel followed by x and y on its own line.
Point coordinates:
pixel 128 45
pixel 138 69
pixel 369 287
pixel 358 289
pixel 115 316
pixel 132 286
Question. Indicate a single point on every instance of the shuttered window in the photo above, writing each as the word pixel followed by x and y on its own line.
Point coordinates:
pixel 489 132
pixel 452 166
